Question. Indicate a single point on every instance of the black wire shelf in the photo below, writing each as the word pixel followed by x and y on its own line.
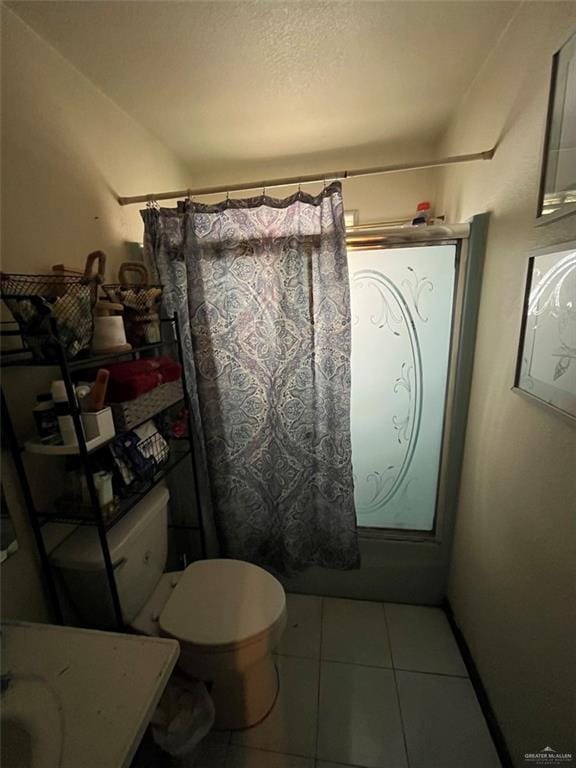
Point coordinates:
pixel 179 450
pixel 70 508
pixel 21 358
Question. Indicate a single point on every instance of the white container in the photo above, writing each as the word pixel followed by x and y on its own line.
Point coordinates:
pixel 62 407
pixel 103 485
pixel 109 334
pixel 98 424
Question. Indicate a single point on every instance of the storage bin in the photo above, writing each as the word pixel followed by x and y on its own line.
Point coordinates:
pixel 141 302
pixel 98 424
pixel 54 309
pixel 133 412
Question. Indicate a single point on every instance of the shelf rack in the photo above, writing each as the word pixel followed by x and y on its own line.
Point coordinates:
pixel 180 449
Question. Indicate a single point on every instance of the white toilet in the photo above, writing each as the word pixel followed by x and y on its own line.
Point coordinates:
pixel 227 614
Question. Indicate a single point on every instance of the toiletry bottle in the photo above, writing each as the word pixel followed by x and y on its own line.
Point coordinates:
pixel 63 413
pixel 45 419
pixel 98 392
pixel 423 213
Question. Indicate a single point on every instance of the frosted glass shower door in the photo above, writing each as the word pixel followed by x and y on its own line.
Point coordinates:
pixel 402 320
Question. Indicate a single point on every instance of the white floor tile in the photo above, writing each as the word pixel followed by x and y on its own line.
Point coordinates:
pixel 241 757
pixel 443 723
pixel 291 726
pixel 354 631
pixel 359 719
pixel 422 641
pixel 302 634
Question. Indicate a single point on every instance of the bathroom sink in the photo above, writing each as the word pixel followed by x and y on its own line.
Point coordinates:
pixel 31 723
pixel 16 749
pixel 77 698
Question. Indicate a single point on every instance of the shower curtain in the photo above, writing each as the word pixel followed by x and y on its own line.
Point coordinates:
pixel 261 290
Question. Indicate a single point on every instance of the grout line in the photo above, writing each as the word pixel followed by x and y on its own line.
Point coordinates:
pixel 374 666
pixel 388 634
pixel 270 751
pixel 396 688
pixel 319 681
pixel 344 765
pixel 434 674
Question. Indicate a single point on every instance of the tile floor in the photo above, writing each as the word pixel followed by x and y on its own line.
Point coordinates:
pixel 375 685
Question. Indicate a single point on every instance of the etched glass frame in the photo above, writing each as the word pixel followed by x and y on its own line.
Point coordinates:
pixel 402 302
pixel 557 191
pixel 546 363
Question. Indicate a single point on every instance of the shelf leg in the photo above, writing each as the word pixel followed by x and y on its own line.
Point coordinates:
pixel 92 492
pixel 191 434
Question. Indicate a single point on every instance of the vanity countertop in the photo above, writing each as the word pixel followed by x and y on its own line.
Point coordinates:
pixel 107 684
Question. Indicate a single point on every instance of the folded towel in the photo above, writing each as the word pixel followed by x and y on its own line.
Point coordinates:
pixel 131 379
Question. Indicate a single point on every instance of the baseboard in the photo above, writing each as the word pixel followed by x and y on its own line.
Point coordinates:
pixel 475 679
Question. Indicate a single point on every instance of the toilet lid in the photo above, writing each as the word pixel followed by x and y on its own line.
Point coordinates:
pixel 223 603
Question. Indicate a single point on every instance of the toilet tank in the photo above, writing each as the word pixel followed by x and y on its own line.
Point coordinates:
pixel 138 549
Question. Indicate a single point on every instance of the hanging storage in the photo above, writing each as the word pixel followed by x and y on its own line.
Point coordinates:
pixel 55 308
pixel 141 302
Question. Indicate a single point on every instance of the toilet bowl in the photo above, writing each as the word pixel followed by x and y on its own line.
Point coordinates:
pixel 228 615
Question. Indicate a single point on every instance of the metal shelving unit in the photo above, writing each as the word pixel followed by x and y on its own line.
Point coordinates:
pixel 180 449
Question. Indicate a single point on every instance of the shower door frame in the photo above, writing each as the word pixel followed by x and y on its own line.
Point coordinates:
pixel 435 534
pixel 402 565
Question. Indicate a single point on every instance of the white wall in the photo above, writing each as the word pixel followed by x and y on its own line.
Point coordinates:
pixel 376 198
pixel 66 150
pixel 513 581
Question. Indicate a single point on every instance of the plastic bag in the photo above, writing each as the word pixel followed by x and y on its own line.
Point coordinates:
pixel 183 717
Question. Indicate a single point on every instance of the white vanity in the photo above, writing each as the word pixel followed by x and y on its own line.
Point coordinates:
pixel 76 697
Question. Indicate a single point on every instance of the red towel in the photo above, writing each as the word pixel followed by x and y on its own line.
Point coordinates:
pixel 135 377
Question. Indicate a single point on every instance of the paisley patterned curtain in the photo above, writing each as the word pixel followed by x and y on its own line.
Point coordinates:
pixel 261 287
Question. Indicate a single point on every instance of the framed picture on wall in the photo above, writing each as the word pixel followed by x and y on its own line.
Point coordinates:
pixel 546 365
pixel 557 193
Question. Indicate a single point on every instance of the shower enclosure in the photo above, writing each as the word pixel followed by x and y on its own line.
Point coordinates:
pixel 414 300
pixel 402 304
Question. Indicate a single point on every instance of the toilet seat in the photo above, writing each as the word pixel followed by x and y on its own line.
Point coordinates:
pixel 221 605
pixel 228 616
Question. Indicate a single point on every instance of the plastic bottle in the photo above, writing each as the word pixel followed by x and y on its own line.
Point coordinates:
pixel 423 213
pixel 63 412
pixel 45 419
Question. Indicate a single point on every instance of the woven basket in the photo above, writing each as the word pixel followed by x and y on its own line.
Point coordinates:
pixel 141 302
pixel 133 412
pixel 54 309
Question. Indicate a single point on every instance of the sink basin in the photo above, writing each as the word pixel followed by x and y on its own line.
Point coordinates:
pixel 78 698
pixel 31 723
pixel 16 749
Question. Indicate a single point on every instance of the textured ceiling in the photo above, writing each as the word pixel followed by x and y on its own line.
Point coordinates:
pixel 235 83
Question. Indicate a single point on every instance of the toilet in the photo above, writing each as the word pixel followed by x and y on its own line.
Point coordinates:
pixel 228 615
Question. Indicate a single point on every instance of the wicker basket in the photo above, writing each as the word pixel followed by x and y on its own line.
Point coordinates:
pixel 141 302
pixel 133 412
pixel 54 309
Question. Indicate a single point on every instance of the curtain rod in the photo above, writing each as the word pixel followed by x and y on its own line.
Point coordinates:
pixel 310 178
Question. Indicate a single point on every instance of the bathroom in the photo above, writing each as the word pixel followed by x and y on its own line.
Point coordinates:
pixel 416 138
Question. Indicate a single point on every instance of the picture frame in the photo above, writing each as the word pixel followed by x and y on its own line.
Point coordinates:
pixel 546 362
pixel 557 190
